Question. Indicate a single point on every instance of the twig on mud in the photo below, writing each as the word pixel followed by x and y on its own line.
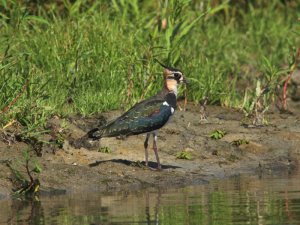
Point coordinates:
pixel 260 108
pixel 9 124
pixel 284 90
pixel 185 97
pixel 6 108
pixel 28 171
pixel 203 103
pixel 23 186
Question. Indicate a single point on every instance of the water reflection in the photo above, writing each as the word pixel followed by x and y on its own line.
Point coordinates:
pixel 240 200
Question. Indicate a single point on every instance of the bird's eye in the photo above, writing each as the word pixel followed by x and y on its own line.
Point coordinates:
pixel 176 75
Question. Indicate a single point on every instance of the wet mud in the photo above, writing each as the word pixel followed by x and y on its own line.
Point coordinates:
pixel 118 164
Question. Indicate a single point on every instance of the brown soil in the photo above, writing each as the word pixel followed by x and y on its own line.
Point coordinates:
pixel 271 149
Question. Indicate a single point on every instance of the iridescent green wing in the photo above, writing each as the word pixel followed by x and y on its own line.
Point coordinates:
pixel 143 117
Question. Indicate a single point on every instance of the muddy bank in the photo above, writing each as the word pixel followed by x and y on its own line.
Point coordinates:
pixel 269 149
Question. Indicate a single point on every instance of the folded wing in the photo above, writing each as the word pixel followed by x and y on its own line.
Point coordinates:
pixel 143 117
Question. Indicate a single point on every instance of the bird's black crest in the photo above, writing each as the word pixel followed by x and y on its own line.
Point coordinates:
pixel 166 67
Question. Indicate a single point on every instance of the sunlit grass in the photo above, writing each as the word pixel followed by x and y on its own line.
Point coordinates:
pixel 85 59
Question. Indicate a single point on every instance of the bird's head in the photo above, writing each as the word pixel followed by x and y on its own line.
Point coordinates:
pixel 174 74
pixel 172 77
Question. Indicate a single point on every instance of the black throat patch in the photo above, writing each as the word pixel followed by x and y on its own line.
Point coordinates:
pixel 171 99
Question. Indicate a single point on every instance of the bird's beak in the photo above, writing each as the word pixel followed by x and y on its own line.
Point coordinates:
pixel 184 80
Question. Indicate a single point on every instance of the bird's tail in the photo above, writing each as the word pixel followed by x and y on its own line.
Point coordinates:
pixel 95 134
pixel 85 141
pixel 79 142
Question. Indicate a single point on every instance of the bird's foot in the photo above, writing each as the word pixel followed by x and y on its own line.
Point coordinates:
pixel 159 168
pixel 154 169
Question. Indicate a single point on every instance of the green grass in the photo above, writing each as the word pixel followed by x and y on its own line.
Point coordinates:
pixel 217 134
pixel 239 142
pixel 88 57
pixel 105 150
pixel 184 155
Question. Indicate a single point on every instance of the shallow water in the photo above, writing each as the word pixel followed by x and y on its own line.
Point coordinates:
pixel 238 200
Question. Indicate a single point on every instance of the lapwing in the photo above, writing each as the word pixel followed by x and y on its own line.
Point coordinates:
pixel 147 116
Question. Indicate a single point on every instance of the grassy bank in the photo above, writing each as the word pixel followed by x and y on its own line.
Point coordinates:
pixel 66 58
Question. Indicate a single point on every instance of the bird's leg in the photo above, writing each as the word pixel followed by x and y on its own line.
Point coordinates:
pixel 155 150
pixel 146 148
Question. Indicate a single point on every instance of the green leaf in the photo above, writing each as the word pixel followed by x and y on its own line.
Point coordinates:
pixel 37 19
pixel 26 155
pixel 258 88
pixel 105 150
pixel 217 134
pixel 37 168
pixel 4 4
pixel 219 8
pixel 3 16
pixel 184 155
